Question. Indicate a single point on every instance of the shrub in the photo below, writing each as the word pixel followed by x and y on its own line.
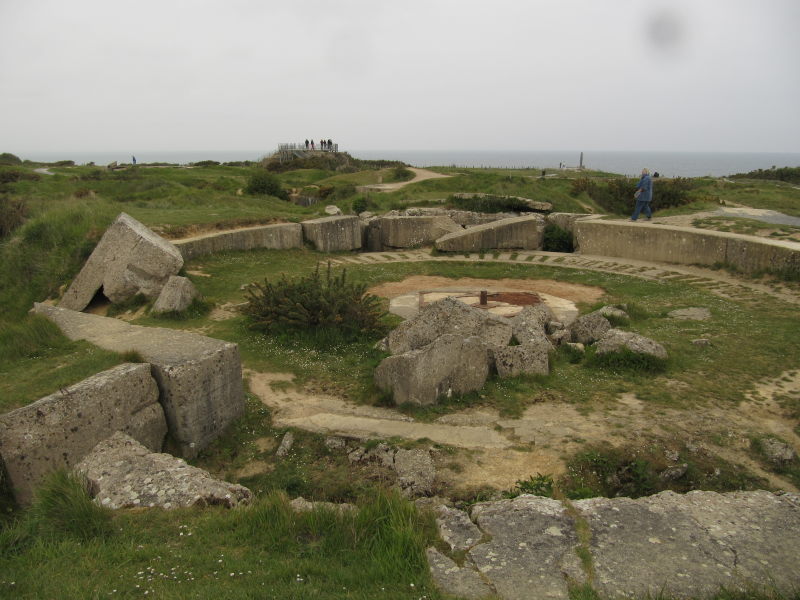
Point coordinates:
pixel 262 182
pixel 790 174
pixel 626 360
pixel 557 239
pixel 490 204
pixel 360 205
pixel 401 173
pixel 314 302
pixel 538 485
pixel 12 214
pixel 206 163
pixel 6 158
pixel 14 175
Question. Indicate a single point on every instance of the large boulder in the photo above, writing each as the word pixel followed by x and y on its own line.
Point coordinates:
pixel 530 358
pixel 129 259
pixel 451 364
pixel 415 471
pixel 199 378
pixel 587 329
pixel 58 430
pixel 517 233
pixel 333 234
pixel 449 316
pixel 614 340
pixel 121 473
pixel 176 296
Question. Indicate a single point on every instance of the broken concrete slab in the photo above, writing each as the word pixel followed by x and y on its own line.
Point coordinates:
pixel 518 233
pixel 413 232
pixel 462 582
pixel 333 234
pixel 587 329
pixel 280 236
pixel 129 259
pixel 457 529
pixel 532 545
pixel 530 324
pixel 199 378
pixel 415 471
pixel 176 296
pixel 449 316
pixel 58 430
pixel 530 358
pixel 449 365
pixel 614 340
pixel 121 473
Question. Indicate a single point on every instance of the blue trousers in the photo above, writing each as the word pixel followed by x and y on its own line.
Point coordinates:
pixel 641 205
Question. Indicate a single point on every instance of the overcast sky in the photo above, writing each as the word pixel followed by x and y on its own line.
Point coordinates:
pixel 673 75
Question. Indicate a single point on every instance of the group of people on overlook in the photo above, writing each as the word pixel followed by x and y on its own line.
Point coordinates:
pixel 324 145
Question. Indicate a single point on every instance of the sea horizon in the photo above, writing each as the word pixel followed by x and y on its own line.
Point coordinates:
pixel 629 163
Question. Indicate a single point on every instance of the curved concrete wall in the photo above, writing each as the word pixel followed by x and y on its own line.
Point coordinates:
pixel 685 245
pixel 275 237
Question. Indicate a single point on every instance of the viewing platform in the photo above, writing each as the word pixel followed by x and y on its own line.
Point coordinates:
pixel 290 151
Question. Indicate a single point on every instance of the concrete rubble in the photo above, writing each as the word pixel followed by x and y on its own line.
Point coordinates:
pixel 199 378
pixel 121 473
pixel 614 340
pixel 517 233
pixel 129 259
pixel 176 296
pixel 58 430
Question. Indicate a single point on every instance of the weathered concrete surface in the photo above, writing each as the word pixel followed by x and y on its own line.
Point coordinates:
pixel 121 473
pixel 176 295
pixel 690 545
pixel 532 545
pixel 589 328
pixel 615 340
pixel 411 232
pixel 448 316
pixel 451 364
pixel 685 245
pixel 200 378
pixel 463 582
pixel 465 218
pixel 415 470
pixel 530 358
pixel 333 234
pixel 456 529
pixel 676 545
pixel 522 233
pixel 273 237
pixel 58 430
pixel 530 324
pixel 129 259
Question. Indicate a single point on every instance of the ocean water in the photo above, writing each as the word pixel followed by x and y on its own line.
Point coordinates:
pixel 668 164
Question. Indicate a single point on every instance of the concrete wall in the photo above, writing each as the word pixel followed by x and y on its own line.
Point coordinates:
pixel 684 245
pixel 333 234
pixel 522 233
pixel 274 237
pixel 59 430
pixel 199 378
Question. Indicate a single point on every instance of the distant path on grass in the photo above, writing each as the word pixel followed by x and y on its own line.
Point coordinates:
pixel 419 175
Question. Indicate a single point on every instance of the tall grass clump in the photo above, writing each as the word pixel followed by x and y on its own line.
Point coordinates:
pixel 30 337
pixel 624 360
pixel 62 507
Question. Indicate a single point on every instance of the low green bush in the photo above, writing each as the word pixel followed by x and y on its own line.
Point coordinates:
pixel 626 360
pixel 264 183
pixel 12 214
pixel 314 302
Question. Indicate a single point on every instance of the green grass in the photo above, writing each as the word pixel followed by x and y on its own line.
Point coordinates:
pixel 261 551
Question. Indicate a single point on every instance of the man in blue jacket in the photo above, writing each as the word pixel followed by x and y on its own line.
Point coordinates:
pixel 643 195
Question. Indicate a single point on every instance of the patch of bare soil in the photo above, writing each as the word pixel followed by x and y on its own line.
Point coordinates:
pixel 489 450
pixel 225 311
pixel 575 292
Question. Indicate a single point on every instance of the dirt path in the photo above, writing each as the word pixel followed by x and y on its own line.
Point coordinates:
pixel 419 175
pixel 491 450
